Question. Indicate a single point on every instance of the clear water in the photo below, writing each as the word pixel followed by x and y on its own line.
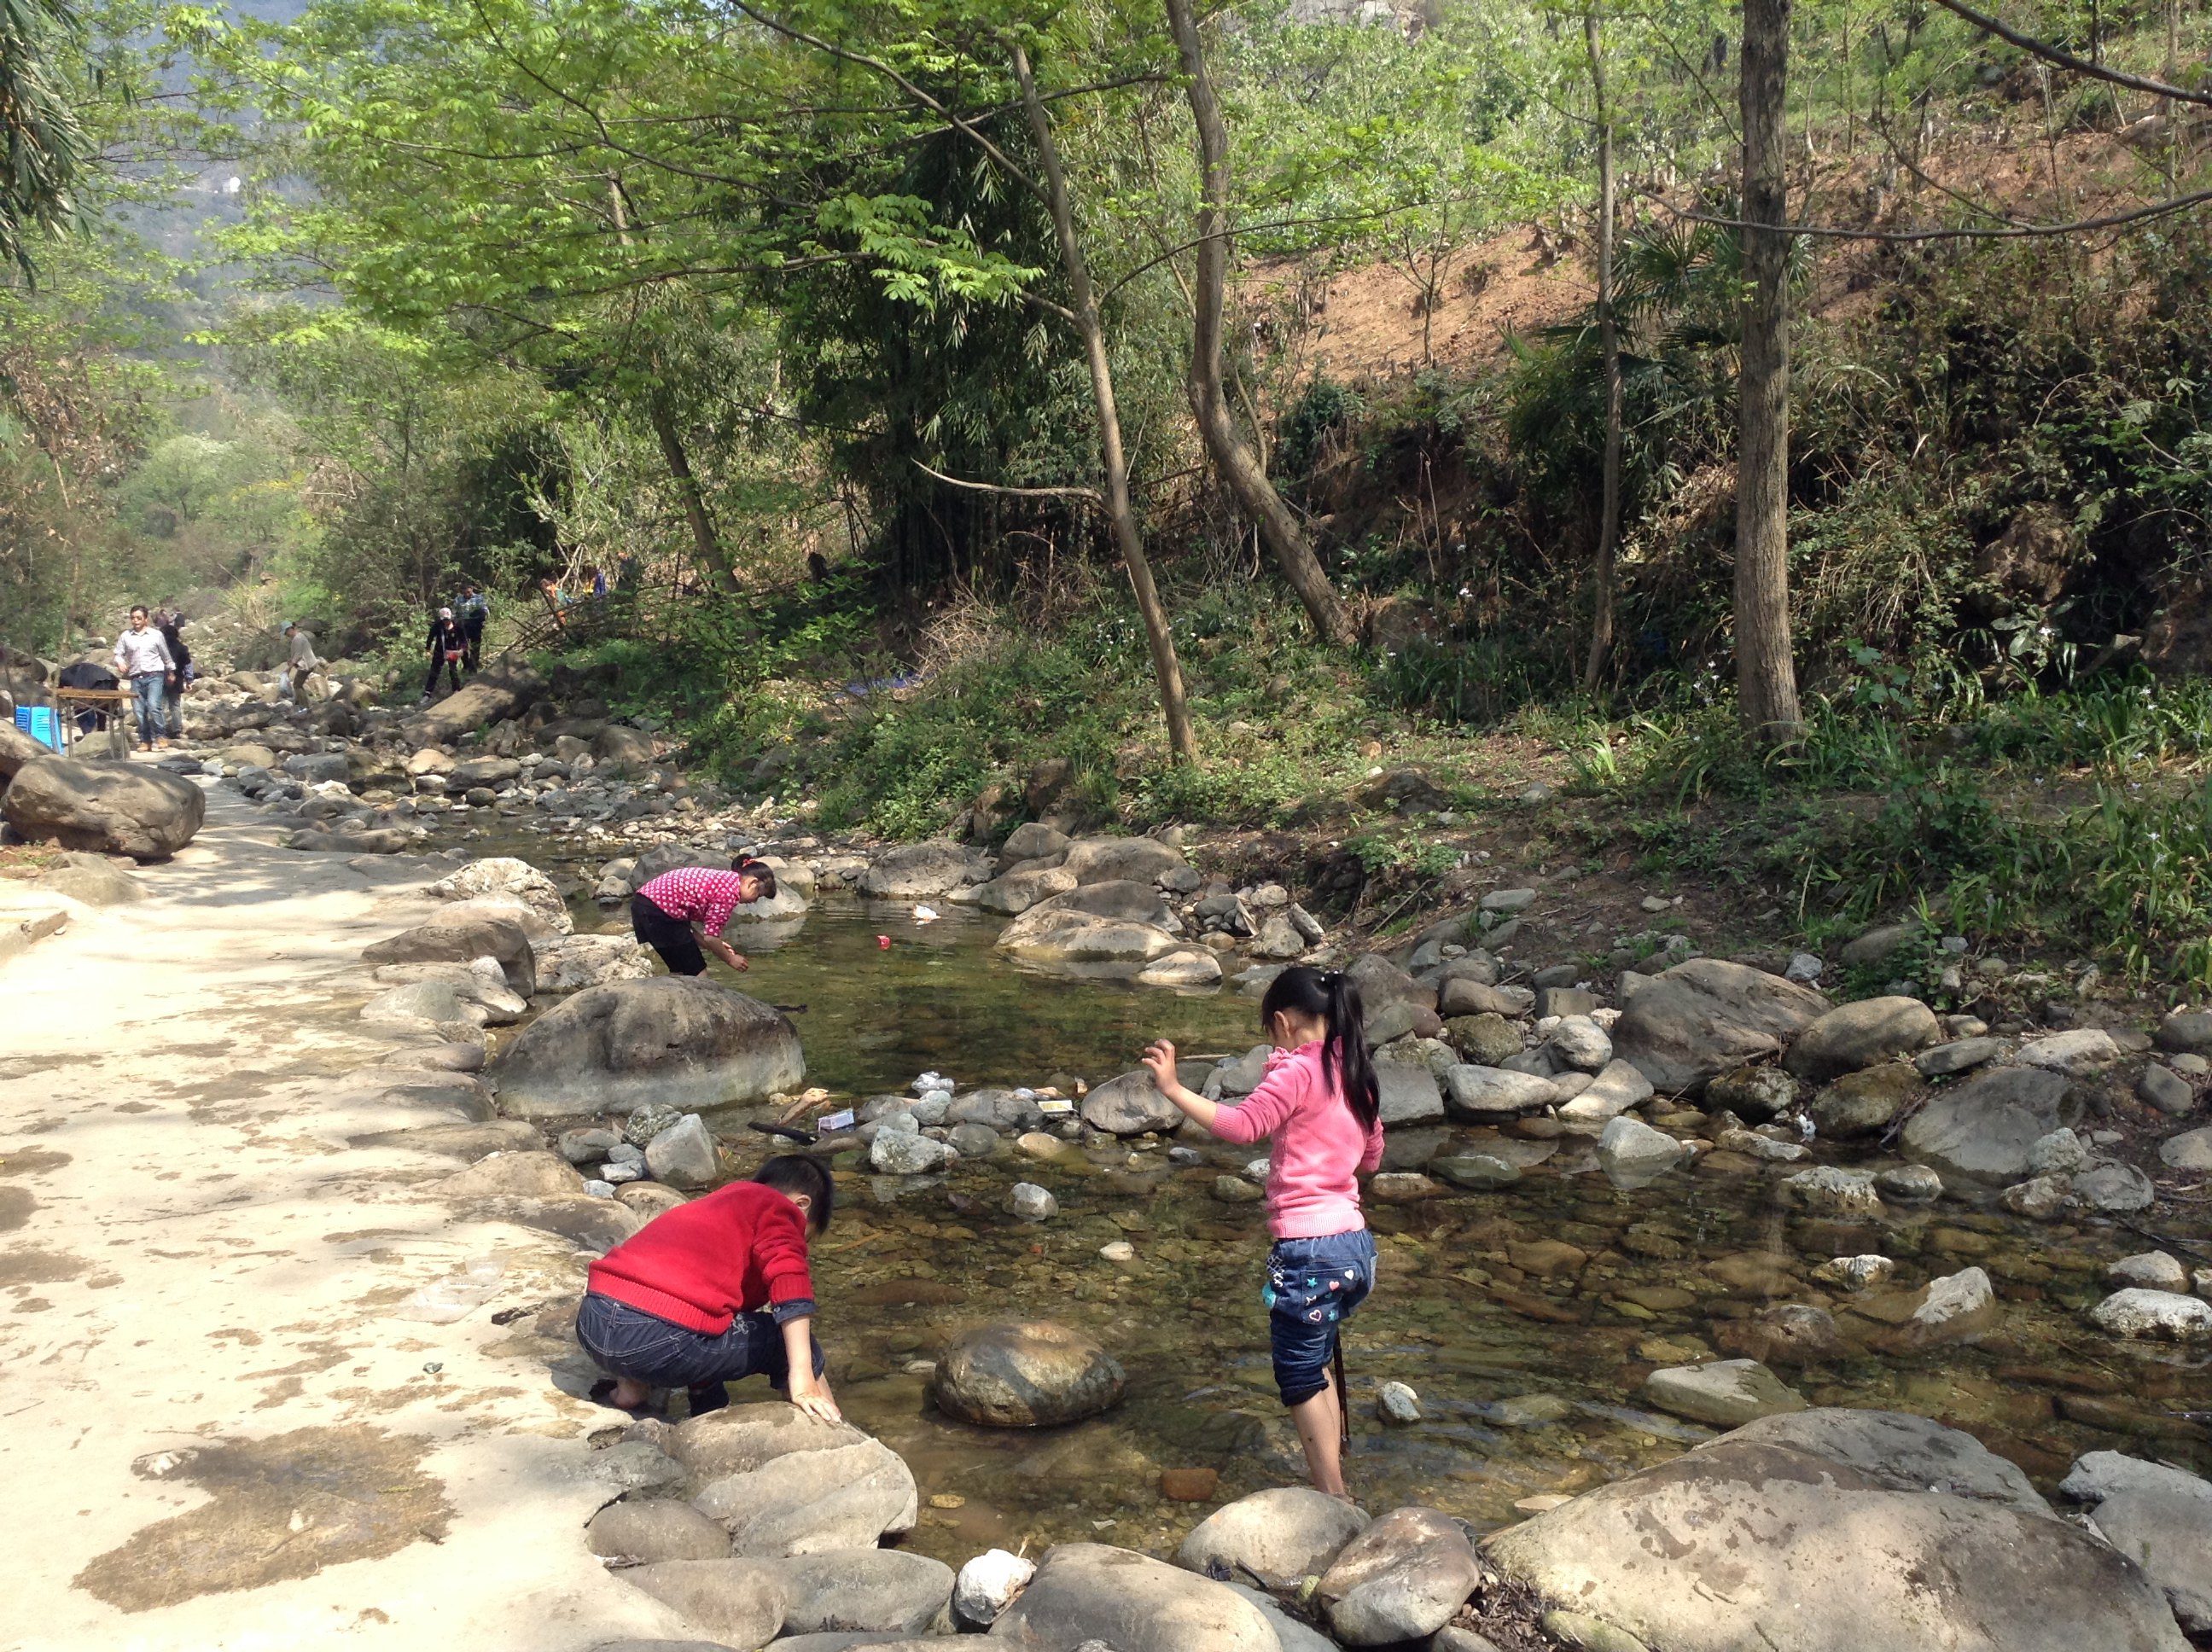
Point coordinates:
pixel 1527 1381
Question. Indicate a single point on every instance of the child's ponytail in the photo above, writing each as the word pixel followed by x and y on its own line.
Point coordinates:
pixel 1303 990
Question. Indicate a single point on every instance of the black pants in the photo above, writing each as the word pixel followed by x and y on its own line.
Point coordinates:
pixel 629 1342
pixel 670 937
pixel 439 663
pixel 473 631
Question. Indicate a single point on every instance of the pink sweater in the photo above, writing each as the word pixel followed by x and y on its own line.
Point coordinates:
pixel 1318 1145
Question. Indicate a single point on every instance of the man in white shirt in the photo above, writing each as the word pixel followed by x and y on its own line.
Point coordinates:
pixel 143 657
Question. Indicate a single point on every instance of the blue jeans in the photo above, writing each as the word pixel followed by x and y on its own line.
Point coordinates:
pixel 150 696
pixel 1313 1286
pixel 626 1341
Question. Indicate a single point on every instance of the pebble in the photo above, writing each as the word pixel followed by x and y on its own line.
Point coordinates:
pixel 1031 1203
pixel 1120 1251
pixel 1397 1403
pixel 1185 1156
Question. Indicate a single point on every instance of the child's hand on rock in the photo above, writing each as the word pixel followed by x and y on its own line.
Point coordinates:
pixel 1159 1060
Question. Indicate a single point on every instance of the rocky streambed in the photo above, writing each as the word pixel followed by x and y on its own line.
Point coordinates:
pixel 1630 1202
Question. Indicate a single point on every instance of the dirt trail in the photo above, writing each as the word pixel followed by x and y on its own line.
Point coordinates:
pixel 216 1433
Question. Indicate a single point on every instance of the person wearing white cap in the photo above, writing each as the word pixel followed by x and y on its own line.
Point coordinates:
pixel 446 645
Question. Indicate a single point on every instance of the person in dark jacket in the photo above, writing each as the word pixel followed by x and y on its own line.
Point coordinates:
pixel 170 623
pixel 448 646
pixel 86 674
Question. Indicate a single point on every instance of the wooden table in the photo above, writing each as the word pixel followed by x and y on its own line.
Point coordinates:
pixel 111 701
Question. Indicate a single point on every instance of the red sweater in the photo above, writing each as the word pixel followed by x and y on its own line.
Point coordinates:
pixel 739 1249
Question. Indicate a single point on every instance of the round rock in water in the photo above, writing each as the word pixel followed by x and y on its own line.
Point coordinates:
pixel 683 1041
pixel 1026 1373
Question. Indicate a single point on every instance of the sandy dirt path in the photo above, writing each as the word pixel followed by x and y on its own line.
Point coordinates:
pixel 211 1201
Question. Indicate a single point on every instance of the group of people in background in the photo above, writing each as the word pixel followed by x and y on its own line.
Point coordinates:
pixel 456 640
pixel 151 656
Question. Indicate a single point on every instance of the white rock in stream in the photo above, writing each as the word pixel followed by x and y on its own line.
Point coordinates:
pixel 1030 1203
pixel 2154 1315
pixel 1633 1154
pixel 986 1584
pixel 901 1152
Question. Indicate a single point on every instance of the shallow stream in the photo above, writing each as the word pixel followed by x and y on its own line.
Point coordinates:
pixel 1525 1319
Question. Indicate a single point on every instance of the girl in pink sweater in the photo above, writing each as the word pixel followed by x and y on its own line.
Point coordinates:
pixel 1319 1104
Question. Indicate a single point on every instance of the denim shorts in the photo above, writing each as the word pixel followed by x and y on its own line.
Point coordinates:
pixel 1313 1286
pixel 626 1341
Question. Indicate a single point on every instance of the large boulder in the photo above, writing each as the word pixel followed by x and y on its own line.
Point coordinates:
pixel 472 937
pixel 504 877
pixel 1751 1542
pixel 16 749
pixel 1086 1592
pixel 1129 1105
pixel 1287 1532
pixel 1981 1129
pixel 811 1502
pixel 680 1040
pixel 738 1438
pixel 922 871
pixel 1855 1035
pixel 2169 1534
pixel 489 699
pixel 1112 859
pixel 1901 1451
pixel 105 808
pixel 1054 933
pixel 1700 1020
pixel 1025 1374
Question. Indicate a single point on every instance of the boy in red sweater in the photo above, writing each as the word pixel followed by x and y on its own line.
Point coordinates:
pixel 712 1290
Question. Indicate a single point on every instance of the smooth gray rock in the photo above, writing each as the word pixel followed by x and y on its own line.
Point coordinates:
pixel 1402 1578
pixel 2166 1089
pixel 1618 1086
pixel 1087 1592
pixel 2097 1475
pixel 1000 1109
pixel 1129 1105
pixel 1119 860
pixel 680 1040
pixel 1706 1016
pixel 1283 1533
pixel 1634 1155
pixel 506 879
pixel 2189 1151
pixel 740 1438
pixel 879 1590
pixel 1724 1391
pixel 103 808
pixel 1855 1035
pixel 1489 1093
pixel 1408 1093
pixel 1741 1541
pixel 1901 1451
pixel 1981 1129
pixel 655 1528
pixel 458 941
pixel 683 1156
pixel 741 1603
pixel 840 1497
pixel 2169 1534
pixel 2114 1189
pixel 1025 1374
pixel 1960 1055
pixel 910 871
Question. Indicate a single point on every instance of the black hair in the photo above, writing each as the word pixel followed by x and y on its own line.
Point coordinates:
pixel 1300 990
pixel 746 866
pixel 795 1172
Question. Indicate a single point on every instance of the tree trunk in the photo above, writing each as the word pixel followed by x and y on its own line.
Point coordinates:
pixel 703 537
pixel 1766 679
pixel 1120 516
pixel 1608 334
pixel 1233 460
